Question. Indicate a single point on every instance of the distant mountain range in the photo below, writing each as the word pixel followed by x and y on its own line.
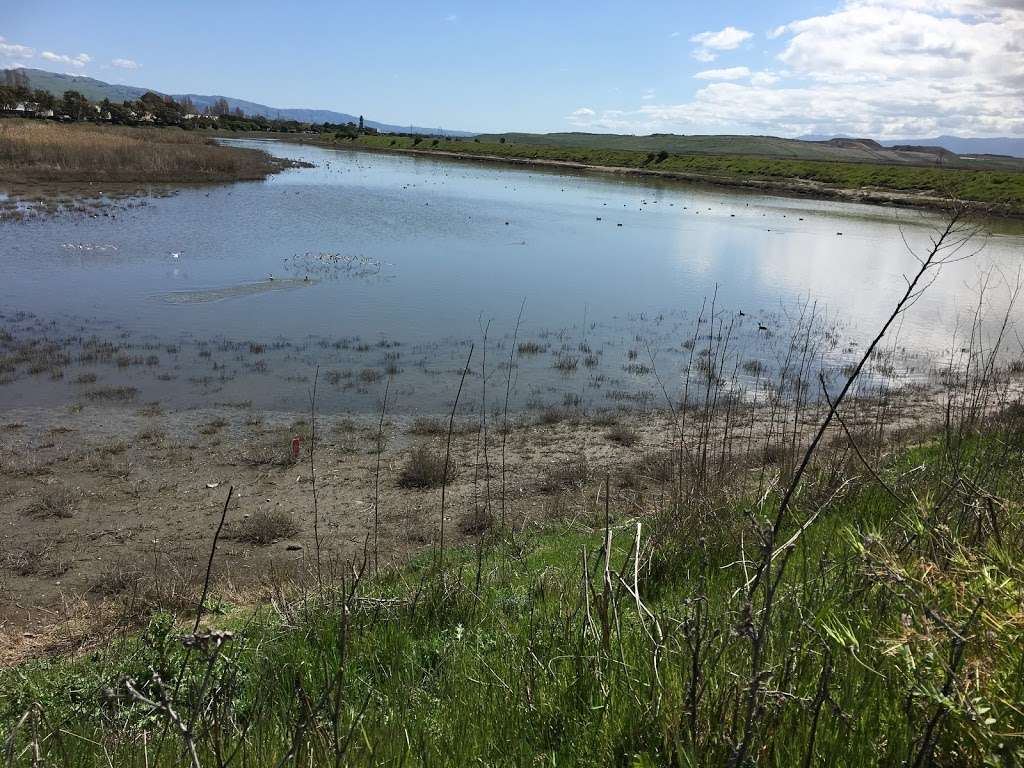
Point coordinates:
pixel 97 90
pixel 956 144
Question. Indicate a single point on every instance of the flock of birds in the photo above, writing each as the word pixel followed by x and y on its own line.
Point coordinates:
pixel 331 265
pixel 87 247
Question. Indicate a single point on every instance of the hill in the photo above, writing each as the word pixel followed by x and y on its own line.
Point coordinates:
pixel 97 90
pixel 1002 145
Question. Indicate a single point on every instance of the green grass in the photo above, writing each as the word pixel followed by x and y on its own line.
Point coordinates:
pixel 859 661
pixel 1002 190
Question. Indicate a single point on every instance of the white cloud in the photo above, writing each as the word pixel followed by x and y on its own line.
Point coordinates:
pixel 710 43
pixel 583 114
pixel 880 68
pixel 764 78
pixel 76 61
pixel 12 51
pixel 124 63
pixel 730 73
pixel 724 40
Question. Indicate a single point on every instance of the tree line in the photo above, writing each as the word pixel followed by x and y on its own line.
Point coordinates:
pixel 18 99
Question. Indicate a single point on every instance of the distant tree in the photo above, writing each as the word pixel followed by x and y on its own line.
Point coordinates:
pixel 360 123
pixel 187 106
pixel 417 140
pixel 43 99
pixel 238 112
pixel 501 140
pixel 219 107
pixel 7 98
pixel 662 156
pixel 120 114
pixel 74 105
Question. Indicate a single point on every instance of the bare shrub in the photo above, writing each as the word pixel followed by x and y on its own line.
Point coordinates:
pixel 424 468
pixel 116 578
pixel 267 526
pixel 428 426
pixel 566 475
pixel 623 435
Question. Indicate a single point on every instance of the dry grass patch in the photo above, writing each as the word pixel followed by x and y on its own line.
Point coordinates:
pixel 54 502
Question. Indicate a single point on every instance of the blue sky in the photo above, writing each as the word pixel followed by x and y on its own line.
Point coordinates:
pixel 888 68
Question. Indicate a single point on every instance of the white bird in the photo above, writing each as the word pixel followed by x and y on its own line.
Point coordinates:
pixel 175 254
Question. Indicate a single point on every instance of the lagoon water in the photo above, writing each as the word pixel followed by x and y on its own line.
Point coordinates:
pixel 413 256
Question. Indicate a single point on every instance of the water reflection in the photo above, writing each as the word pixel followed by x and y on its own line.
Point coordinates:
pixel 450 243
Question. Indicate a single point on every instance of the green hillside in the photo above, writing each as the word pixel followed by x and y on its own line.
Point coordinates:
pixel 840 150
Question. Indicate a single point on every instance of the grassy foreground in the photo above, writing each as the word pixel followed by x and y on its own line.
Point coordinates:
pixel 37 151
pixel 894 637
pixel 999 191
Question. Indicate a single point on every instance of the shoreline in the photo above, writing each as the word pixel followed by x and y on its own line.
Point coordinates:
pixel 795 188
pixel 790 188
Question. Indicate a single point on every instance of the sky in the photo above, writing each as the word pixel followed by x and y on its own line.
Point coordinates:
pixel 880 68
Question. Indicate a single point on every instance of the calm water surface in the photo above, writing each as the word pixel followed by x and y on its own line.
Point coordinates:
pixel 413 256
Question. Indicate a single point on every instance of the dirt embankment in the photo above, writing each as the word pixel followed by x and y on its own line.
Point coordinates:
pixel 109 512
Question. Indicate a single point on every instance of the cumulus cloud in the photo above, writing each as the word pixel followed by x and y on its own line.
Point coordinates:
pixel 709 44
pixel 730 73
pixel 12 51
pixel 60 58
pixel 881 68
pixel 124 63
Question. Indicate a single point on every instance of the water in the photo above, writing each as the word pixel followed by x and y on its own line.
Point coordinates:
pixel 420 254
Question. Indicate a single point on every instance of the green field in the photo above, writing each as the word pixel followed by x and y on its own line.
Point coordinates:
pixel 895 637
pixel 1001 191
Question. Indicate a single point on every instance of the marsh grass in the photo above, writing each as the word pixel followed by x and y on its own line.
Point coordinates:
pixel 45 151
